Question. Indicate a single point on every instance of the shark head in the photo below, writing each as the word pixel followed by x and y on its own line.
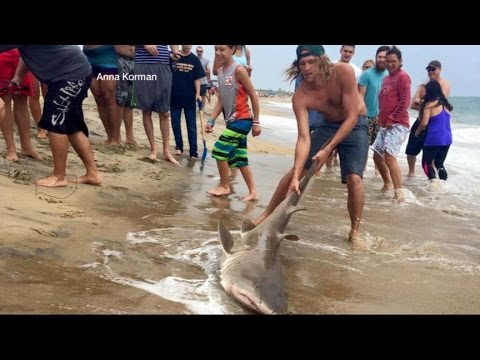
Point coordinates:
pixel 251 270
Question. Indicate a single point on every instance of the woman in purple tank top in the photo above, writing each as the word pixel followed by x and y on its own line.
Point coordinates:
pixel 435 115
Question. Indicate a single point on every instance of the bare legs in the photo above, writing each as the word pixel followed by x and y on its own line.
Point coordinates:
pixel 355 204
pixel 224 187
pixel 36 109
pixel 390 172
pixel 104 93
pixel 22 119
pixel 59 146
pixel 128 121
pixel 411 159
pixel 164 129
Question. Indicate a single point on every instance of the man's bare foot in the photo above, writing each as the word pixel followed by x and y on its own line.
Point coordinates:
pixel 11 156
pixel 411 175
pixel 52 181
pixel 251 197
pixel 219 191
pixel 32 153
pixel 91 179
pixel 131 142
pixel 399 196
pixel 153 156
pixel 42 134
pixel 169 157
pixel 386 188
pixel 357 243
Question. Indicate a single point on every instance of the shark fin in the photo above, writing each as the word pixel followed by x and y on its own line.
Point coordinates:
pixel 247 225
pixel 291 237
pixel 225 238
pixel 294 209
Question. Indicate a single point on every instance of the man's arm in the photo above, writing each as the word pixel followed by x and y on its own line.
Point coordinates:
pixel 20 72
pixel 417 99
pixel 302 147
pixel 207 72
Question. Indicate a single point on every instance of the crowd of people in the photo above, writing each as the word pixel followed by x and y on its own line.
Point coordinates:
pixel 338 108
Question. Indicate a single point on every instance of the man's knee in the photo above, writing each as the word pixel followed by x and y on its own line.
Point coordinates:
pixel 353 181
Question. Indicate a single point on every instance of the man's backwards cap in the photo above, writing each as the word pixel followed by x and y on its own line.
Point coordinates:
pixel 307 50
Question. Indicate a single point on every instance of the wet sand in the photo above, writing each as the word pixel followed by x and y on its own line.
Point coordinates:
pixel 145 241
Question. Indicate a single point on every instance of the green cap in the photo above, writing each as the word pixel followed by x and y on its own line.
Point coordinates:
pixel 307 50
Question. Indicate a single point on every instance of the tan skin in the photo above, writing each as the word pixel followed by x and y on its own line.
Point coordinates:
pixel 388 165
pixel 2 109
pixel 340 102
pixel 125 111
pixel 224 57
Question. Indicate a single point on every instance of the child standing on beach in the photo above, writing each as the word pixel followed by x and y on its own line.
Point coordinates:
pixel 234 88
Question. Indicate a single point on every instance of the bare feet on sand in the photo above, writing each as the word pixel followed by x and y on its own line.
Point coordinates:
pixel 32 154
pixel 52 181
pixel 131 142
pixel 250 197
pixel 219 191
pixel 411 175
pixel 399 196
pixel 169 157
pixel 91 179
pixel 11 156
pixel 357 243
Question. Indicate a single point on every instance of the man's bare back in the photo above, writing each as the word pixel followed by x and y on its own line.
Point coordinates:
pixel 327 97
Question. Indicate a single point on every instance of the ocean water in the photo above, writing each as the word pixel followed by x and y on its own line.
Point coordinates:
pixel 423 255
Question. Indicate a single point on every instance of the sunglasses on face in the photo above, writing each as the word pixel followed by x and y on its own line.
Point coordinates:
pixel 199 51
pixel 431 68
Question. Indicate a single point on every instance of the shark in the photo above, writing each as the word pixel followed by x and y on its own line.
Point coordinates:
pixel 250 267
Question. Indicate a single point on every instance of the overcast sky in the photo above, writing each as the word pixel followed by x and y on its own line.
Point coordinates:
pixel 460 64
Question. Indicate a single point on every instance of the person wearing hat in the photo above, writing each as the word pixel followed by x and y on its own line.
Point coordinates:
pixel 332 90
pixel 415 144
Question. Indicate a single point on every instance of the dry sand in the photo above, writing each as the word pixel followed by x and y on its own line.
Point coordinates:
pixel 47 234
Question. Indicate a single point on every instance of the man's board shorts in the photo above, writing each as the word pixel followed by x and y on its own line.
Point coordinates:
pixel 353 150
pixel 390 140
pixel 62 110
pixel 415 144
pixel 153 95
pixel 232 144
pixel 373 129
pixel 125 91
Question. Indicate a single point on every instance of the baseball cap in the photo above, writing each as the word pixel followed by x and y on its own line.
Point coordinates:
pixel 307 50
pixel 434 63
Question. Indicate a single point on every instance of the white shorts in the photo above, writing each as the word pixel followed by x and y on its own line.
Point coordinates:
pixel 390 140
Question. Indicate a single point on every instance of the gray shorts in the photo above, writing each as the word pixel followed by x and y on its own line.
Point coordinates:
pixel 153 95
pixel 353 150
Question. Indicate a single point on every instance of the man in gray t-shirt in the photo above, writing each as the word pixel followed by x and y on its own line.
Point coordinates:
pixel 206 79
pixel 67 73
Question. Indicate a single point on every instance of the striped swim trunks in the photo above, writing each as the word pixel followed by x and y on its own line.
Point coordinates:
pixel 232 144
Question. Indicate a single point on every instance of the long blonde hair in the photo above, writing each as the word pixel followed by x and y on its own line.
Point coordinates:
pixel 324 69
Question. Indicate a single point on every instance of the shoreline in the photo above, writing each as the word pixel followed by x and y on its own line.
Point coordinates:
pixel 50 231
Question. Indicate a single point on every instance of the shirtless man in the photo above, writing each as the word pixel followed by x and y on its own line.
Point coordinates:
pixel 332 90
pixel 415 144
pixel 67 73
